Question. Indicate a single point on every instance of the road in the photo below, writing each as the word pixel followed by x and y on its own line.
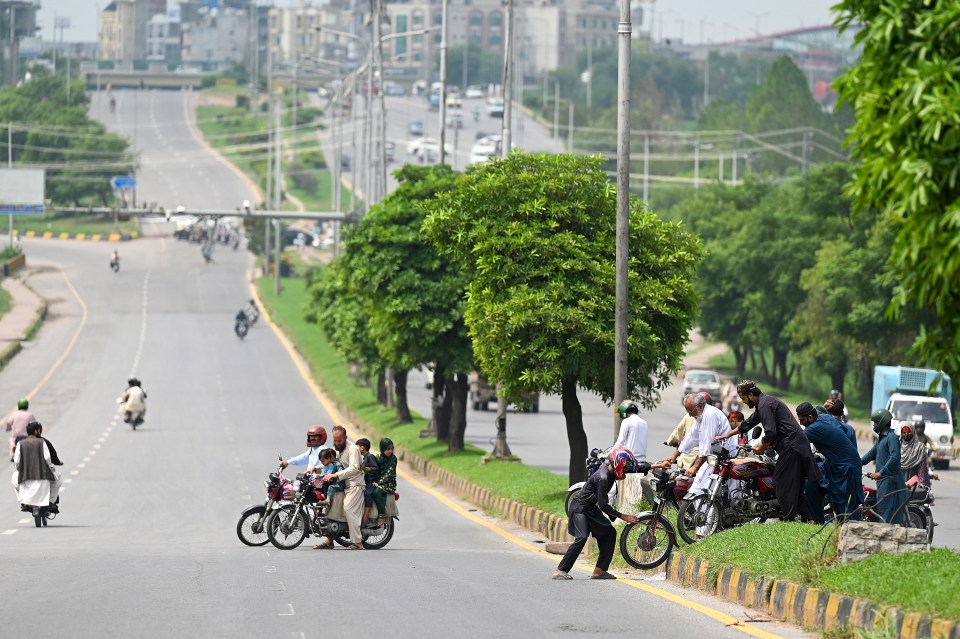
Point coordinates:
pixel 145 544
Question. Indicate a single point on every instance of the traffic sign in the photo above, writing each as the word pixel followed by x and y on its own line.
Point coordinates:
pixel 121 182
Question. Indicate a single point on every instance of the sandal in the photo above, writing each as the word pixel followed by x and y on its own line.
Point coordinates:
pixel 355 547
pixel 562 576
pixel 603 575
pixel 323 546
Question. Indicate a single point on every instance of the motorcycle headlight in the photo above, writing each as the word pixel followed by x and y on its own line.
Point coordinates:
pixel 943 439
pixel 712 460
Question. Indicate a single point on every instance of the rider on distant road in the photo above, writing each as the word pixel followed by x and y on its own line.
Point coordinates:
pixel 132 400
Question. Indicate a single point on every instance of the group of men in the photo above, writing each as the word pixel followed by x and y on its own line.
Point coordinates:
pixel 801 482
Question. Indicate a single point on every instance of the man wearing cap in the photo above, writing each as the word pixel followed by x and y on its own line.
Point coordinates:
pixel 795 463
pixel 841 469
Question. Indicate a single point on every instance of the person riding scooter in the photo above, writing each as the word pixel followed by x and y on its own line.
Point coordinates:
pixel 132 401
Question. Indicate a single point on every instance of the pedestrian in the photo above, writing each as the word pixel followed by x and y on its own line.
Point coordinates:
pixel 841 469
pixel 837 410
pixel 891 489
pixel 795 463
pixel 589 514
pixel 17 423
pixel 348 455
pixel 387 485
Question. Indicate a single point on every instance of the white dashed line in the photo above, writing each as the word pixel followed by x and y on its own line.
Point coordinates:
pixel 9 531
pixel 288 612
pixel 77 472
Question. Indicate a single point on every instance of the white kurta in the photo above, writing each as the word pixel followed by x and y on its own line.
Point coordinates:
pixel 34 492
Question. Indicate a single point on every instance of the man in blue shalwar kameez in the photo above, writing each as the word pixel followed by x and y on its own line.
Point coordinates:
pixel 891 493
pixel 841 467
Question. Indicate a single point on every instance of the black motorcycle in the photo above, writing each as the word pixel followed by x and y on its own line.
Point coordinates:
pixel 290 524
pixel 241 328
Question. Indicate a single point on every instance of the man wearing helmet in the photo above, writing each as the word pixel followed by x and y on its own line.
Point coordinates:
pixel 17 423
pixel 587 516
pixel 132 400
pixel 316 441
pixel 633 430
pixel 891 495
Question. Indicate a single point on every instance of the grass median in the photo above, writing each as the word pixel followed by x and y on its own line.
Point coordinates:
pixel 534 486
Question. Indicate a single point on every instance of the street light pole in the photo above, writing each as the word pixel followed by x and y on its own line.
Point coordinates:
pixel 443 80
pixel 507 82
pixel 624 30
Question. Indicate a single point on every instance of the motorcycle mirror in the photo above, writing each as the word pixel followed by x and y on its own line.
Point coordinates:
pixel 280 456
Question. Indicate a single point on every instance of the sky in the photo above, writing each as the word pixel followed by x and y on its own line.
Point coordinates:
pixel 689 20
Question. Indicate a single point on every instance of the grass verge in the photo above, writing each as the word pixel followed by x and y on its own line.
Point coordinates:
pixel 6 301
pixel 920 582
pixel 525 484
pixel 89 224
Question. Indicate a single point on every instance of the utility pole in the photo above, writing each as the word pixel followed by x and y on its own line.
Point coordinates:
pixel 508 81
pixel 556 115
pixel 278 190
pixel 295 54
pixel 443 81
pixel 269 194
pixel 624 30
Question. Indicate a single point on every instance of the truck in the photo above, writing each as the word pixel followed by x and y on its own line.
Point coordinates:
pixel 914 394
pixel 482 394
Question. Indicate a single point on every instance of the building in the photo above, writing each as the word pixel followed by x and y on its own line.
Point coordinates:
pixel 123 29
pixel 217 36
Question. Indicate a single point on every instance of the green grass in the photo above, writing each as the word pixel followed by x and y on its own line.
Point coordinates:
pixel 923 582
pixel 6 301
pixel 533 486
pixel 89 224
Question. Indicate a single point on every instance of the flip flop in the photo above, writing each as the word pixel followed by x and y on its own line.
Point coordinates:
pixel 603 575
pixel 355 547
pixel 562 576
pixel 323 547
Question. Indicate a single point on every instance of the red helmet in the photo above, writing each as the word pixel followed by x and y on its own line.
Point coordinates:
pixel 623 462
pixel 316 436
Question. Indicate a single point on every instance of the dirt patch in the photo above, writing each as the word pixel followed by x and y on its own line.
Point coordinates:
pixel 217 99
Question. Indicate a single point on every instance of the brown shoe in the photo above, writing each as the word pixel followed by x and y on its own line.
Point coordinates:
pixel 324 546
pixel 356 547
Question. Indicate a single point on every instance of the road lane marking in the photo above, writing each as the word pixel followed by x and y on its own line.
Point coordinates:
pixel 716 615
pixel 10 531
pixel 288 612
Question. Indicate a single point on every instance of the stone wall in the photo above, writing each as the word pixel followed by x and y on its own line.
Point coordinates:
pixel 861 539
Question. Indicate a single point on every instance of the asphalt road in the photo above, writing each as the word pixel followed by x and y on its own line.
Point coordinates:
pixel 145 544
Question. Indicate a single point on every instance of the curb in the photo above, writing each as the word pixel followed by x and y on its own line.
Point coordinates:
pixel 89 237
pixel 15 346
pixel 804 605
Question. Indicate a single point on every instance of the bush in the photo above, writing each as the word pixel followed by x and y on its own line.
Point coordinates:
pixel 314 159
pixel 243 101
pixel 9 251
pixel 208 81
pixel 303 178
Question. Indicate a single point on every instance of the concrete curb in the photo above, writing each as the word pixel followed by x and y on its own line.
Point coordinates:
pixel 803 605
pixel 16 346
pixel 89 237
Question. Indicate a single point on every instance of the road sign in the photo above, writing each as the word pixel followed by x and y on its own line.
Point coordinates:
pixel 121 182
pixel 21 191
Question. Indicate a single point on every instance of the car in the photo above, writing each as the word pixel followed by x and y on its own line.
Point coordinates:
pixel 696 381
pixel 415 127
pixel 345 161
pixel 421 146
pixel 455 120
pixel 392 88
pixel 454 102
pixel 474 91
pixel 495 107
pixel 389 150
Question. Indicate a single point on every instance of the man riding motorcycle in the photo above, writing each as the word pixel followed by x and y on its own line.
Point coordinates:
pixel 17 423
pixel 316 441
pixel 132 401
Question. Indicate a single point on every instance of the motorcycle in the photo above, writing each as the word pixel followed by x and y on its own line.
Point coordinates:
pixel 918 512
pixel 251 528
pixel 207 251
pixel 648 542
pixel 41 514
pixel 134 418
pixel 115 265
pixel 309 514
pixel 594 461
pixel 753 500
pixel 241 328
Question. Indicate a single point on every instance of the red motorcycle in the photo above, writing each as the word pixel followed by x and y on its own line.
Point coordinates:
pixel 751 499
pixel 251 529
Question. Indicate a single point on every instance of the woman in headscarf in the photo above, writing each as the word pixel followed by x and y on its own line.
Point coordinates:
pixel 913 457
pixel 387 463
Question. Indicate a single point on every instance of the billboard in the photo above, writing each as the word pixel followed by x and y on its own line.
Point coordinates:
pixel 21 191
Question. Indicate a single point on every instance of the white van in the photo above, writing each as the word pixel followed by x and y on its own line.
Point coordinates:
pixel 935 412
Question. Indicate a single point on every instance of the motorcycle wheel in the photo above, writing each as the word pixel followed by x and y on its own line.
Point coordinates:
pixel 252 527
pixel 381 539
pixel 286 528
pixel 700 511
pixel 916 518
pixel 572 495
pixel 647 543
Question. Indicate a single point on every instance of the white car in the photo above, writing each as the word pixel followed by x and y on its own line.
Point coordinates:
pixel 696 381
pixel 427 145
pixel 474 91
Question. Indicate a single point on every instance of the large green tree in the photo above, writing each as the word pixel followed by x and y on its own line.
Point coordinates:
pixel 537 233
pixel 905 94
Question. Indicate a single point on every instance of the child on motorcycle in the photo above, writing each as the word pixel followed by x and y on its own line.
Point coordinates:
pixel 331 465
pixel 387 485
pixel 371 474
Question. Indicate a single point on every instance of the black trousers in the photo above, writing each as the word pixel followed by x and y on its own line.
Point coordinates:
pixel 580 526
pixel 789 481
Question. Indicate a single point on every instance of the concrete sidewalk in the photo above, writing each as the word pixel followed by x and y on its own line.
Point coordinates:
pixel 26 311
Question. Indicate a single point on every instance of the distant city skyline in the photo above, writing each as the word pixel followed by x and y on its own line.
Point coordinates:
pixel 691 21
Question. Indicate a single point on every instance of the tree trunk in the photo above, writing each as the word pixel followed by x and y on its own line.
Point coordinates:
pixel 837 375
pixel 444 408
pixel 381 388
pixel 866 375
pixel 458 418
pixel 781 378
pixel 403 407
pixel 576 436
pixel 740 355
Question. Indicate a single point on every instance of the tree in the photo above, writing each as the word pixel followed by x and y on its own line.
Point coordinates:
pixel 414 297
pixel 537 234
pixel 905 96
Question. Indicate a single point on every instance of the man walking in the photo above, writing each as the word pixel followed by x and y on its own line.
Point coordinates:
pixel 352 474
pixel 795 463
